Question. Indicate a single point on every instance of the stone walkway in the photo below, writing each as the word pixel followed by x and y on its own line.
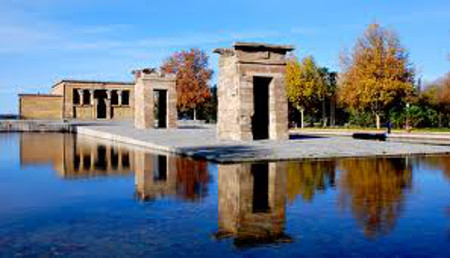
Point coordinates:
pixel 201 142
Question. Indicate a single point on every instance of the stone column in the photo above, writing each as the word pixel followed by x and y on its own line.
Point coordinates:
pixel 92 103
pixel 119 96
pixel 91 95
pixel 108 104
pixel 92 154
pixel 94 110
pixel 108 158
pixel 119 162
pixel 81 160
pixel 81 94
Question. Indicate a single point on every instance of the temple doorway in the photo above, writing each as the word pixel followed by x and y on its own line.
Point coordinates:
pixel 260 121
pixel 160 108
pixel 101 104
pixel 260 172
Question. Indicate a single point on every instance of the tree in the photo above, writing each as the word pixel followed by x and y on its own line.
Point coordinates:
pixel 328 92
pixel 304 84
pixel 193 75
pixel 443 90
pixel 378 74
pixel 208 111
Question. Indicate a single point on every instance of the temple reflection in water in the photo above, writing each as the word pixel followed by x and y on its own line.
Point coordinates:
pixel 252 198
pixel 161 175
pixel 252 203
pixel 75 157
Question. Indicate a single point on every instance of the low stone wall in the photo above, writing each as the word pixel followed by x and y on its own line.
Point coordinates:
pixel 35 126
pixel 40 106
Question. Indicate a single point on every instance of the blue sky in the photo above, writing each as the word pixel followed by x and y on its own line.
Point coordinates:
pixel 42 41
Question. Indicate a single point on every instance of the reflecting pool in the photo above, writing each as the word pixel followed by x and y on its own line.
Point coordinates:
pixel 66 195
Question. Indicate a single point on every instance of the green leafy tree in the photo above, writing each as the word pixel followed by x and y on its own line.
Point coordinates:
pixel 328 94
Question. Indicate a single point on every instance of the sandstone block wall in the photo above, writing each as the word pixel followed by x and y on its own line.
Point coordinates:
pixel 236 214
pixel 146 82
pixel 40 106
pixel 87 111
pixel 238 68
pixel 146 167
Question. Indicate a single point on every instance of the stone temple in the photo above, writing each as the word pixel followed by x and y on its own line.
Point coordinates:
pixel 251 92
pixel 81 100
pixel 155 99
pixel 150 101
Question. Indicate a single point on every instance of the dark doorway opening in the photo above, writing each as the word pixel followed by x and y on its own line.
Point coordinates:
pixel 76 162
pixel 114 153
pixel 160 173
pixel 101 162
pixel 101 104
pixel 126 163
pixel 260 172
pixel 260 120
pixel 160 108
pixel 86 163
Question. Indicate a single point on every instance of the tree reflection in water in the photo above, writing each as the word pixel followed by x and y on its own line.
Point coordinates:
pixel 438 163
pixel 305 179
pixel 192 178
pixel 374 190
pixel 252 197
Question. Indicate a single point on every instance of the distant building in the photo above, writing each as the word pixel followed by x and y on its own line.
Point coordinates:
pixel 83 100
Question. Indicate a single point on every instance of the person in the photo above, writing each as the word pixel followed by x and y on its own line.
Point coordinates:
pixel 389 127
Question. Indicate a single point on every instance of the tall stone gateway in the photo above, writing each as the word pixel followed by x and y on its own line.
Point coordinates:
pixel 155 100
pixel 251 92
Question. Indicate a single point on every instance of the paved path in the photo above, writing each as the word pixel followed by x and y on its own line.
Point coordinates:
pixel 434 138
pixel 201 142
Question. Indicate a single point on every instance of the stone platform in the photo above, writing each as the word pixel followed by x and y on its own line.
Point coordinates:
pixel 34 126
pixel 200 141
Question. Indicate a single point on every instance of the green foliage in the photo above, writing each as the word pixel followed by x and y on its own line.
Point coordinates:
pixel 208 110
pixel 422 116
pixel 361 118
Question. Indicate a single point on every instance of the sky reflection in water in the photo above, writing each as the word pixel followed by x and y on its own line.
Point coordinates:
pixel 67 195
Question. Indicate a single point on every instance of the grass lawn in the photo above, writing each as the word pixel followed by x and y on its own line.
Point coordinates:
pixel 371 129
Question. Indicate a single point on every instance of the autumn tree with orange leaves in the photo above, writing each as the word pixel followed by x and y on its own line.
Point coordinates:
pixel 443 91
pixel 193 75
pixel 377 74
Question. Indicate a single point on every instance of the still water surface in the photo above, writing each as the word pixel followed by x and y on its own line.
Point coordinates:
pixel 67 195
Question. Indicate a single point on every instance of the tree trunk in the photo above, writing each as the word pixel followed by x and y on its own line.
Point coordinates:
pixel 332 111
pixel 195 114
pixel 302 112
pixel 324 113
pixel 377 116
